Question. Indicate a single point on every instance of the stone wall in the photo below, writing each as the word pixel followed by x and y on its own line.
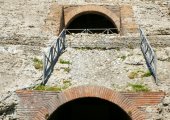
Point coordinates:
pixel 107 1
pixel 113 41
pixel 21 21
pixel 30 22
pixel 153 16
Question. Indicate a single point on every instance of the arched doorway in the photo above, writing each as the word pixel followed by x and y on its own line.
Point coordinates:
pixel 85 96
pixel 89 108
pixel 92 16
pixel 92 20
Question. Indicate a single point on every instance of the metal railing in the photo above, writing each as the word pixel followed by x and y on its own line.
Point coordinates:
pixel 149 55
pixel 50 57
pixel 93 31
pixel 90 37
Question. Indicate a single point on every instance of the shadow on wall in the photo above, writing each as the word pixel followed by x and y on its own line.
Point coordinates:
pixel 89 108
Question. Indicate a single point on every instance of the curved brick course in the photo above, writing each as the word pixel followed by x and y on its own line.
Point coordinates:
pixel 39 105
pixel 71 15
pixel 90 91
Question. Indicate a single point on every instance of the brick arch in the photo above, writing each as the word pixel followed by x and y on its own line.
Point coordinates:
pixel 90 91
pixel 71 15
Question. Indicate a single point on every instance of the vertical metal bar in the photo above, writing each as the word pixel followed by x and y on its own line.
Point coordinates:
pixel 64 37
pixel 44 68
pixel 59 44
pixel 52 60
pixel 58 48
pixel 155 63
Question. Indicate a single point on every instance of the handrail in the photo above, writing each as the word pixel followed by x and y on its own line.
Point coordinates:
pixel 91 30
pixel 57 46
pixel 50 57
pixel 94 29
pixel 149 55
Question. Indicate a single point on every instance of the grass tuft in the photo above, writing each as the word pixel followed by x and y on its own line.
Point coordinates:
pixel 146 74
pixel 48 88
pixel 66 84
pixel 139 88
pixel 39 87
pixel 139 74
pixel 133 75
pixel 64 61
pixel 67 70
pixel 38 64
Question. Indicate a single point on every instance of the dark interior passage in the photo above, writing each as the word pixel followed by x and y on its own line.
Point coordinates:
pixel 89 109
pixel 92 21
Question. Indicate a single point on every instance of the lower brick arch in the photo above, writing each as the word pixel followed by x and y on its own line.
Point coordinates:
pixel 90 91
pixel 71 15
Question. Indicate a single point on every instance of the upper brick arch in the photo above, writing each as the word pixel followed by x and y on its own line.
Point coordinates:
pixel 77 11
pixel 90 91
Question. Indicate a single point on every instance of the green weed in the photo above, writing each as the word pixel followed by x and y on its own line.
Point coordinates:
pixel 39 87
pixel 38 64
pixel 146 74
pixel 139 87
pixel 133 75
pixel 67 70
pixel 139 74
pixel 64 61
pixel 48 88
pixel 66 84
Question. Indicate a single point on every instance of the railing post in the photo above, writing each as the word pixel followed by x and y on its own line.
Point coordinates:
pixel 107 31
pixel 44 68
pixel 155 63
pixel 64 37
pixel 52 58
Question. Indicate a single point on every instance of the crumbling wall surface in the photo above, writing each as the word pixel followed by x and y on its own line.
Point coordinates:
pixel 22 21
pixel 128 24
pixel 64 2
pixel 153 16
pixel 33 22
pixel 88 1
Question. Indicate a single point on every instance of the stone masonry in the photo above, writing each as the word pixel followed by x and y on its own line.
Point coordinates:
pixel 29 26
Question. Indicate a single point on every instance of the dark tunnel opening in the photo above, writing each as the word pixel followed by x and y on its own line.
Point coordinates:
pixel 89 109
pixel 92 21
